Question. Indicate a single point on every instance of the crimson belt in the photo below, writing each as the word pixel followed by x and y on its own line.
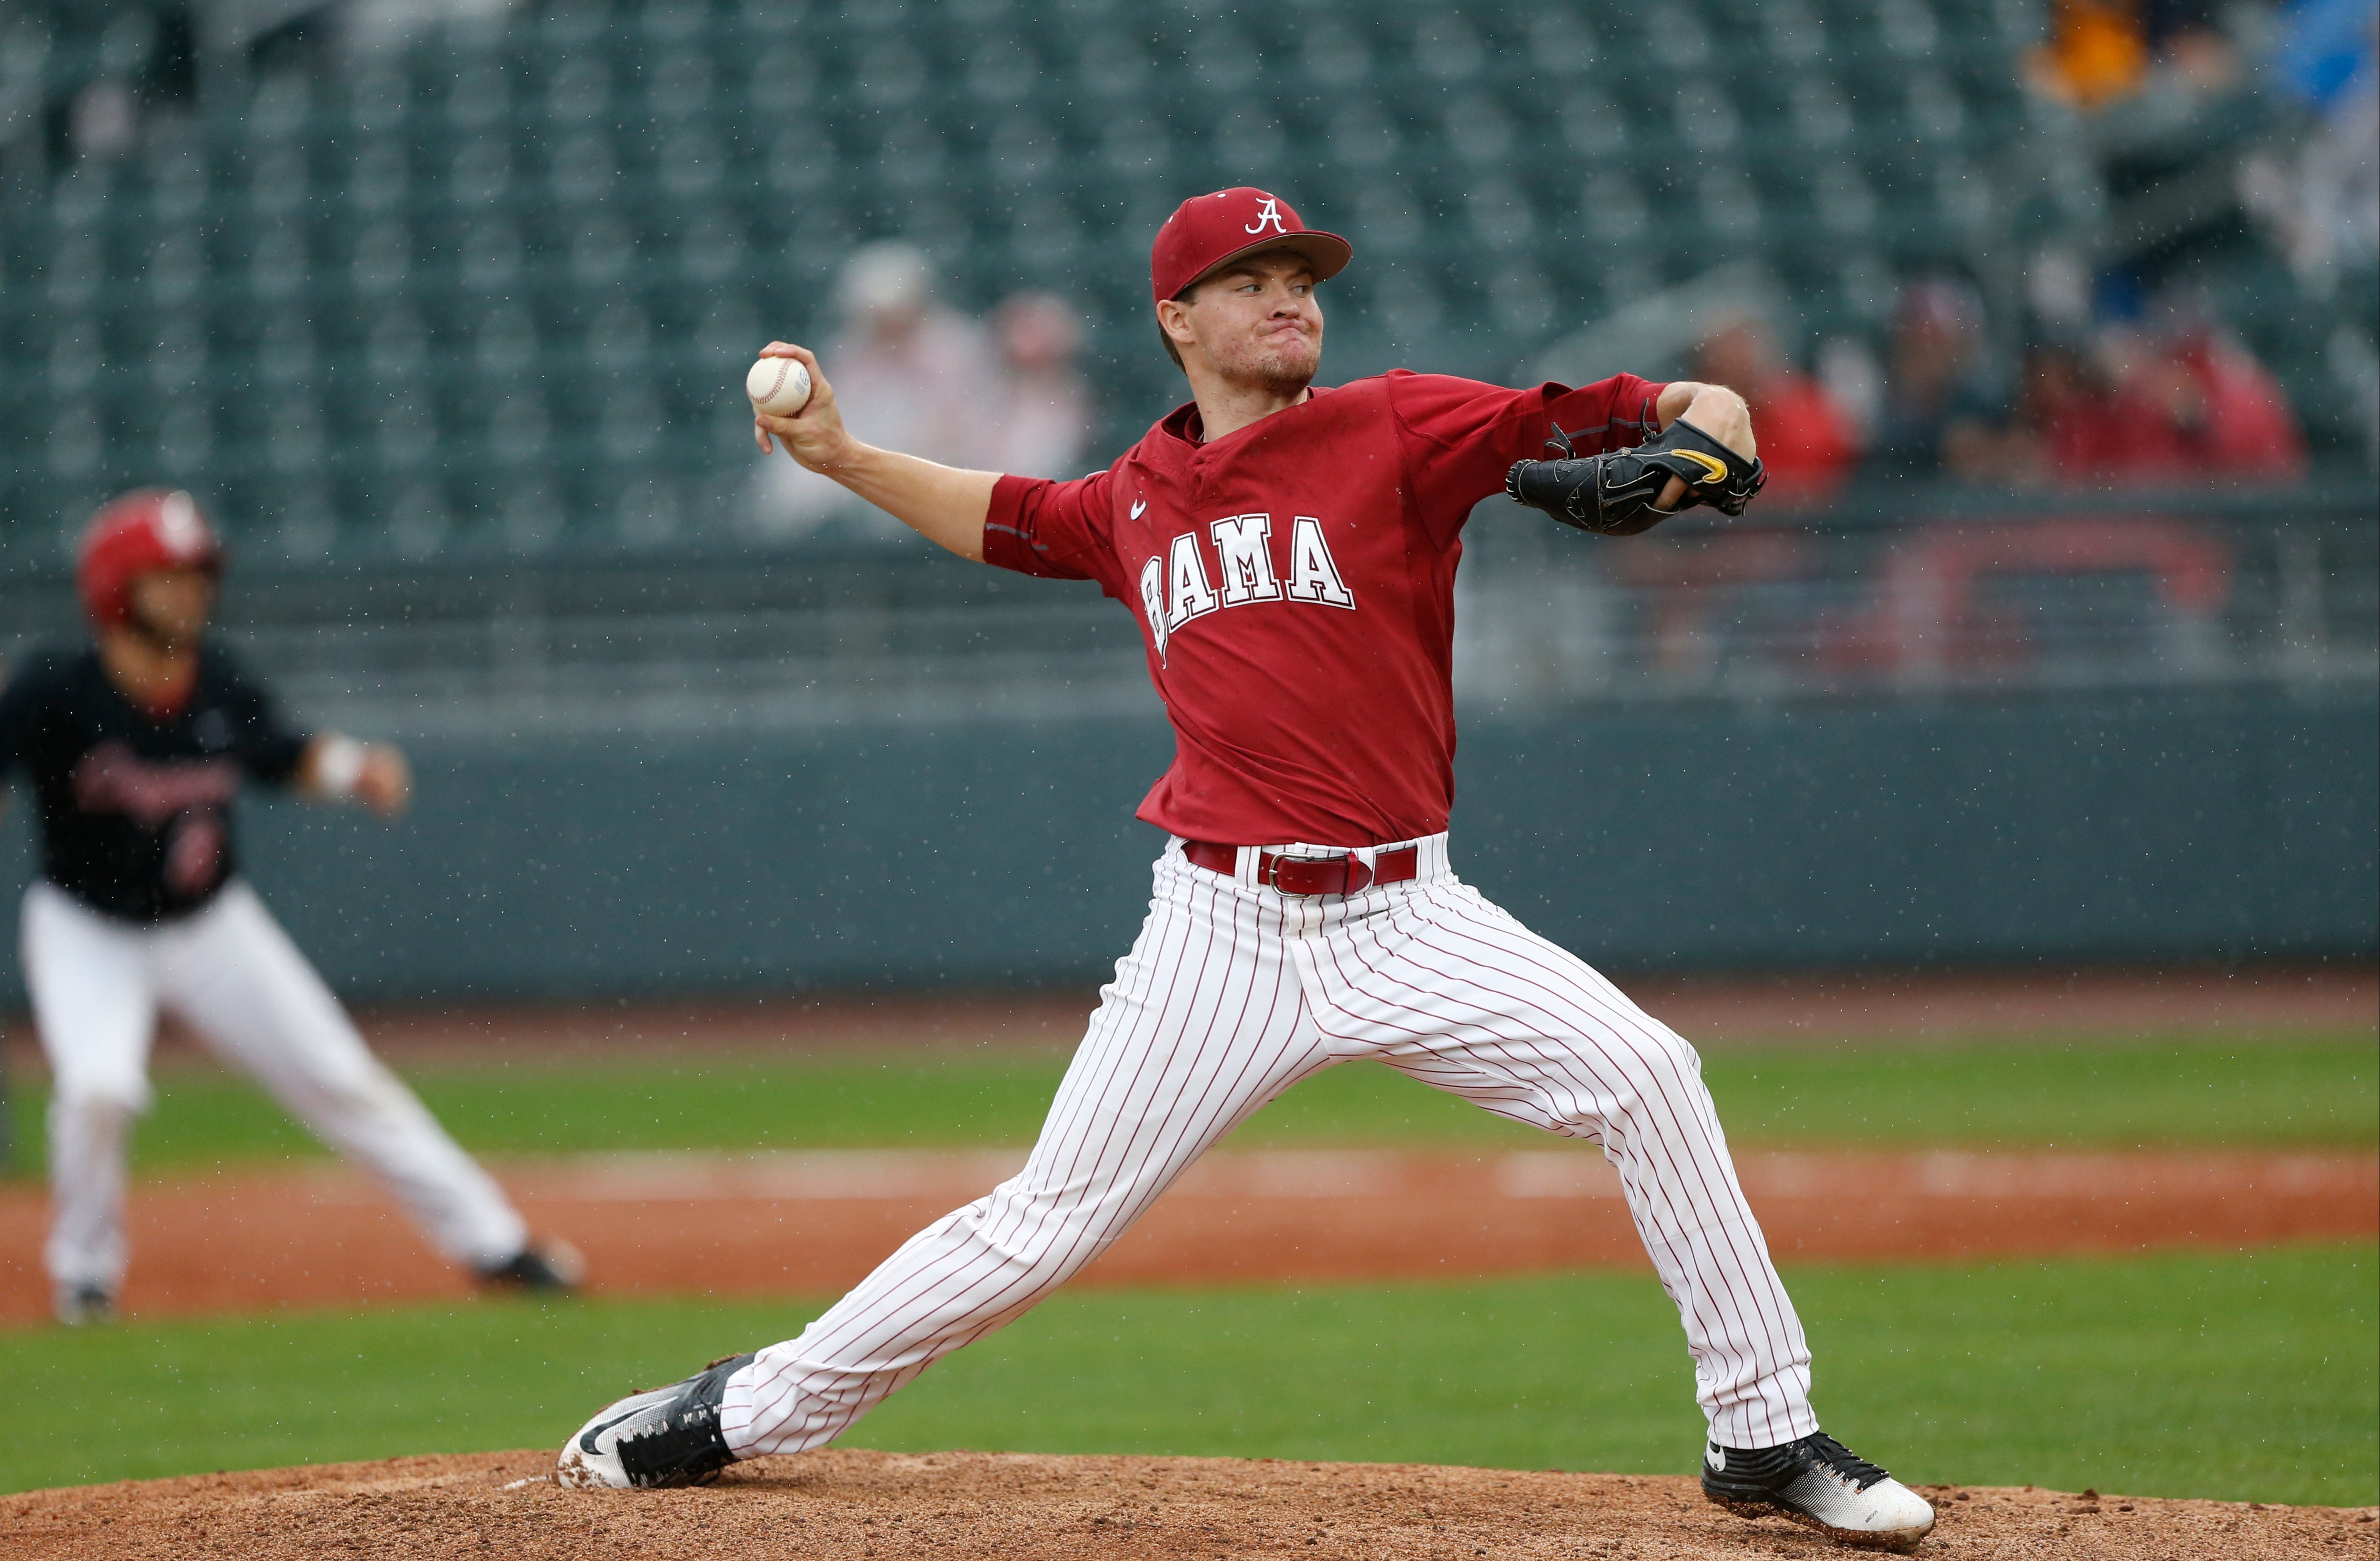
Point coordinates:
pixel 1310 875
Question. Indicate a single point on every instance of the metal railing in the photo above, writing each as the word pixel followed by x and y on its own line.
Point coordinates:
pixel 1943 592
pixel 1923 593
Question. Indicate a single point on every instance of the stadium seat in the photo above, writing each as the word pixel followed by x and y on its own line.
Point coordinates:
pixel 629 189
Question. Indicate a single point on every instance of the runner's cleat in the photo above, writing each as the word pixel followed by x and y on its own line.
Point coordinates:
pixel 1818 1482
pixel 549 1266
pixel 81 1305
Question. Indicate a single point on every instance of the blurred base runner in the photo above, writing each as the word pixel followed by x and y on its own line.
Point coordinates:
pixel 231 973
pixel 137 747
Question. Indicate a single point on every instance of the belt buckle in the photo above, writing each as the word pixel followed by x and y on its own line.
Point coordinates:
pixel 1348 864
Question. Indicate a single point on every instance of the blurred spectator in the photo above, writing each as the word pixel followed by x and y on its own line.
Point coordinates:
pixel 2071 426
pixel 2327 47
pixel 2097 52
pixel 2224 410
pixel 2185 404
pixel 1940 407
pixel 1854 381
pixel 2100 52
pixel 910 373
pixel 2189 42
pixel 2340 180
pixel 104 120
pixel 1044 418
pixel 1806 441
pixel 2324 205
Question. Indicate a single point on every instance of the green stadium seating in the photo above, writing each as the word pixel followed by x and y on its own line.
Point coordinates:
pixel 469 291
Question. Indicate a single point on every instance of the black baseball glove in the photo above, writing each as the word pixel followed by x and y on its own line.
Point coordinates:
pixel 1614 494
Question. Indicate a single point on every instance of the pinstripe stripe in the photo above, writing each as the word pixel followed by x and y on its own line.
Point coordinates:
pixel 1231 994
pixel 1675 1106
pixel 1424 998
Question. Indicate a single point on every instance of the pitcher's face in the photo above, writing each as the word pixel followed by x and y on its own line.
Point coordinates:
pixel 1258 320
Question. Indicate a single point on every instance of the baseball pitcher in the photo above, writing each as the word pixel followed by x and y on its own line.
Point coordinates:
pixel 1289 554
pixel 136 746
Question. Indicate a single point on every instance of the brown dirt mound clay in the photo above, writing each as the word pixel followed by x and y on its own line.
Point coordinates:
pixel 950 1506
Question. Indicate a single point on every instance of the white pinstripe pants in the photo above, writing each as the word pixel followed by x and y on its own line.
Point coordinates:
pixel 1232 993
pixel 97 984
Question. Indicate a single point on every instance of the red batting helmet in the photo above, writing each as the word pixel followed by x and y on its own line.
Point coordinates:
pixel 146 529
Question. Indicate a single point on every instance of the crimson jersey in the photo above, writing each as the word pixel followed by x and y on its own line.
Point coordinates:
pixel 1294 582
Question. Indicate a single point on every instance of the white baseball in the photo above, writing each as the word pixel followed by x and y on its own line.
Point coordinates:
pixel 778 386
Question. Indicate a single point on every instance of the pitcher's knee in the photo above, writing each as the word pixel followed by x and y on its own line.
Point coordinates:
pixel 1677 1052
pixel 1650 1076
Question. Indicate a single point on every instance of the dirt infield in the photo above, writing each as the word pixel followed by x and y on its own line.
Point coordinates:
pixel 958 1507
pixel 813 1223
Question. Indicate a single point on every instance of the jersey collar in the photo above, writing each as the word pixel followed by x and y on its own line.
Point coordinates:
pixel 1185 424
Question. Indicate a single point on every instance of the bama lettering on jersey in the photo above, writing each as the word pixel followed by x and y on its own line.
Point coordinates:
pixel 1293 580
pixel 1175 588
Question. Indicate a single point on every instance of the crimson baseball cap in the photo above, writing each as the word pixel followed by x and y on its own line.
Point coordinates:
pixel 1206 232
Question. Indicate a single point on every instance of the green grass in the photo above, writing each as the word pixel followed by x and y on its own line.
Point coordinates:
pixel 2187 1090
pixel 2076 1091
pixel 2244 1376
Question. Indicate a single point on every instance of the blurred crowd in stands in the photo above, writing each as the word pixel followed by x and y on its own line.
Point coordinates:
pixel 2120 357
pixel 2322 200
pixel 911 373
pixel 2086 379
pixel 2164 58
pixel 2159 395
pixel 2150 394
pixel 2104 379
pixel 2101 52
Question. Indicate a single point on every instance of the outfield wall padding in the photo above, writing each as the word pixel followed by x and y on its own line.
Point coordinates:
pixel 2102 827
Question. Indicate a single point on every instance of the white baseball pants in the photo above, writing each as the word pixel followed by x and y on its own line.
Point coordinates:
pixel 1235 992
pixel 229 970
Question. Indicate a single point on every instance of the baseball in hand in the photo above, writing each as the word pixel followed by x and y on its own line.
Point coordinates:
pixel 778 386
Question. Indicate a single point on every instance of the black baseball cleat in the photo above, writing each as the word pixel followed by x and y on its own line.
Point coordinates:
pixel 80 1306
pixel 548 1267
pixel 669 1436
pixel 1819 1481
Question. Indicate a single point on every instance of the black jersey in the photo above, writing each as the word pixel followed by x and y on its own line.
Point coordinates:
pixel 135 811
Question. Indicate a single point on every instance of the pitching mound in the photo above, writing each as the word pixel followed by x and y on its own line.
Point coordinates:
pixel 824 1506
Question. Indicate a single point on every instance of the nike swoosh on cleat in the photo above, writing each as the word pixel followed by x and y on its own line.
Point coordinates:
pixel 587 1437
pixel 1717 1459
